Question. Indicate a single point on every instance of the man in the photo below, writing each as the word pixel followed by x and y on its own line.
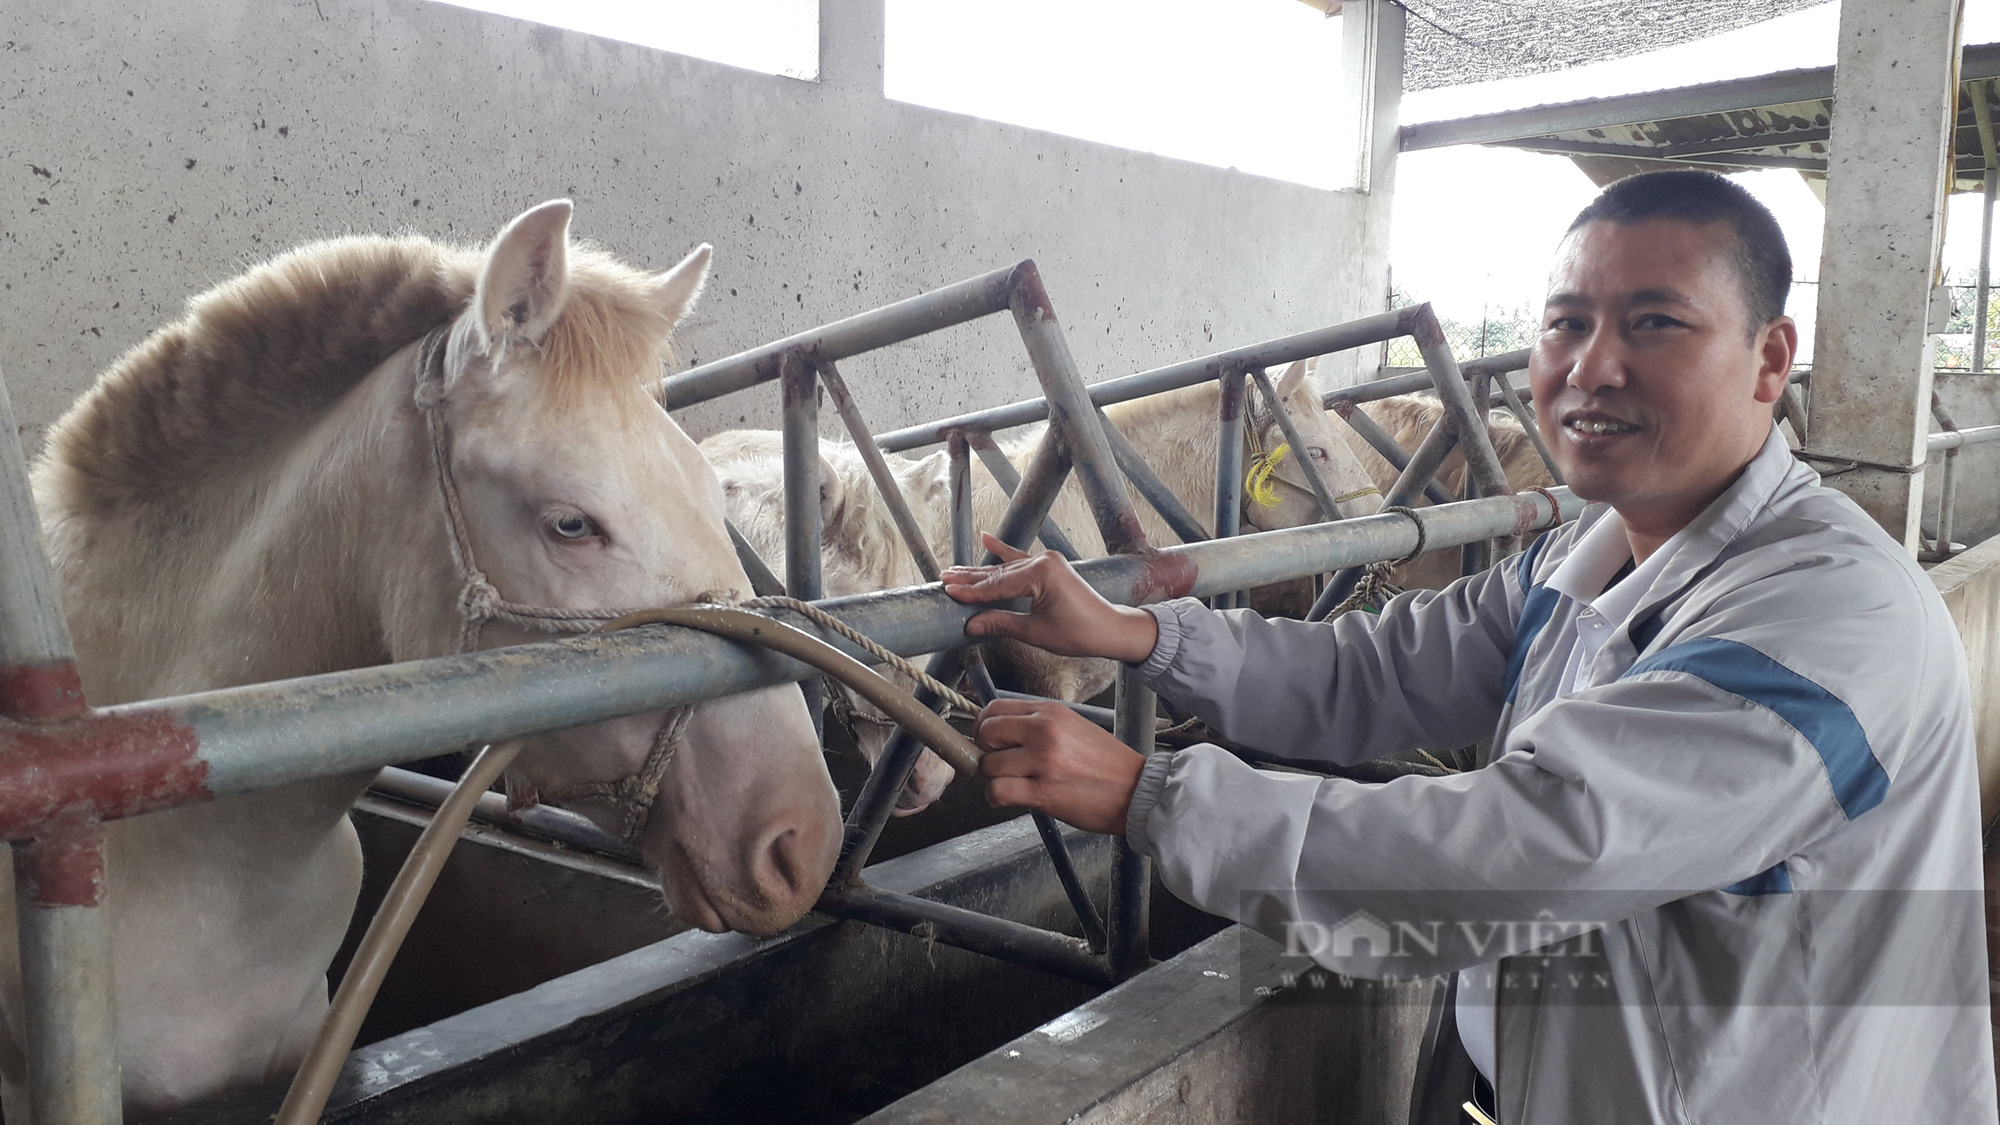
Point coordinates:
pixel 1731 772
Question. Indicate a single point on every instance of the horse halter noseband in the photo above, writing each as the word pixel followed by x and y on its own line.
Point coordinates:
pixel 631 797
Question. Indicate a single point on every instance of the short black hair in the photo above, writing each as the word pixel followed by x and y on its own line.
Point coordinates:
pixel 1689 195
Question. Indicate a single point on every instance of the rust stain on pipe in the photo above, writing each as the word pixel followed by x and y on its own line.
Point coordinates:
pixel 1030 297
pixel 41 692
pixel 65 865
pixel 1164 576
pixel 110 765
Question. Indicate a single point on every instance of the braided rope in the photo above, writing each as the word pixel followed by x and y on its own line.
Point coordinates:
pixel 632 797
pixel 867 644
pixel 1375 587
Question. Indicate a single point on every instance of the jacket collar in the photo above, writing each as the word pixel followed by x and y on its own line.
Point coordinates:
pixel 1696 547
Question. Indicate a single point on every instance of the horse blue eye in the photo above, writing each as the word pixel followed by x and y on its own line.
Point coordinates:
pixel 573 527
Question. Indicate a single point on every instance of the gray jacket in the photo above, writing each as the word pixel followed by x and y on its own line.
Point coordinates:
pixel 1736 881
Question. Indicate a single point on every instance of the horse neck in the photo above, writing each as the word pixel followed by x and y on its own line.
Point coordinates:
pixel 310 558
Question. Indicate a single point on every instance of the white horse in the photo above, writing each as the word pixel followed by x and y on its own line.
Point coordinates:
pixel 1176 431
pixel 258 491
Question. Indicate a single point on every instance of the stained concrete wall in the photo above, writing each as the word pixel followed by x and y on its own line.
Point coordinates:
pixel 149 150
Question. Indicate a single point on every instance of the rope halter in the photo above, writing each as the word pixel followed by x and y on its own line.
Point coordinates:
pixel 478 602
pixel 631 797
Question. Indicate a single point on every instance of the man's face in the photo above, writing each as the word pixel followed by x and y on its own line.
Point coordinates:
pixel 1651 389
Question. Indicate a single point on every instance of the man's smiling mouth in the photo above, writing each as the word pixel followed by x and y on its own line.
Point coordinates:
pixel 1596 425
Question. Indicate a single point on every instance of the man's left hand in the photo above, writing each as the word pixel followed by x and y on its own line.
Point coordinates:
pixel 1046 757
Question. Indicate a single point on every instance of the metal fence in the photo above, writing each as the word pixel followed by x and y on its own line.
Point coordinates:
pixel 66 768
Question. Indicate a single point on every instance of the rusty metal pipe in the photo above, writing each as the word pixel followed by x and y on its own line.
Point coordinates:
pixel 63 927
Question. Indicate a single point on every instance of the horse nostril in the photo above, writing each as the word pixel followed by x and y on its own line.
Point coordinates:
pixel 781 869
pixel 792 866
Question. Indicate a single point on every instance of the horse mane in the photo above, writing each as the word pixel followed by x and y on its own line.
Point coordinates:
pixel 277 345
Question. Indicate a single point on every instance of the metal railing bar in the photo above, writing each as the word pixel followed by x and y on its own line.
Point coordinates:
pixel 799 381
pixel 1085 911
pixel 878 470
pixel 544 822
pixel 1147 483
pixel 1478 555
pixel 1072 417
pixel 906 319
pixel 1379 440
pixel 962 541
pixel 877 799
pixel 1520 411
pixel 1497 364
pixel 62 924
pixel 259 736
pixel 1131 871
pixel 1481 462
pixel 1008 940
pixel 1269 353
pixel 1009 479
pixel 1229 407
pixel 1958 439
pixel 1076 424
pixel 763 583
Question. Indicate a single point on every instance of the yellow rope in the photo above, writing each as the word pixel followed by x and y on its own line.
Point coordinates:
pixel 1260 484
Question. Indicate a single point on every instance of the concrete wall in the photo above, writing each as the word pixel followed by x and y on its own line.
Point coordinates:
pixel 151 149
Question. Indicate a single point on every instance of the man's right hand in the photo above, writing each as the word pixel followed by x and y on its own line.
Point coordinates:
pixel 1065 616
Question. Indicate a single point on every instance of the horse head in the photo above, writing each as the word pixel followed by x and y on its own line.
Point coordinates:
pixel 575 493
pixel 1284 498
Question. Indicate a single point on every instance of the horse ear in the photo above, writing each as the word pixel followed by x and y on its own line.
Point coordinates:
pixel 679 288
pixel 525 279
pixel 1293 378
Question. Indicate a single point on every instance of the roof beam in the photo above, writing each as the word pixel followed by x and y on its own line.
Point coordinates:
pixel 1663 156
pixel 1979 62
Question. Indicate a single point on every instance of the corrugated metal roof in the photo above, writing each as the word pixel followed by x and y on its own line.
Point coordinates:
pixel 1770 121
pixel 1454 42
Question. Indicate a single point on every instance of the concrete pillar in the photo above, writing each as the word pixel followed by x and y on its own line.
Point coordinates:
pixel 1363 119
pixel 852 37
pixel 1885 191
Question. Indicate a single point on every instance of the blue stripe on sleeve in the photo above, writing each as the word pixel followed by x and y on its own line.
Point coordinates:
pixel 1534 615
pixel 1859 781
pixel 1774 881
